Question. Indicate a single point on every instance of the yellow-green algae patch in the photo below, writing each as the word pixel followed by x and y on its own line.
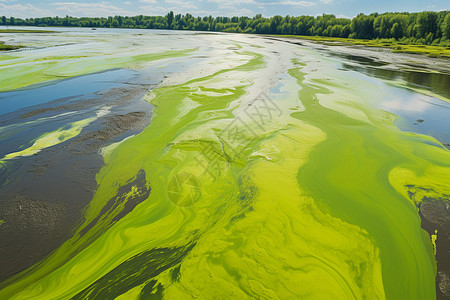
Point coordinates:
pixel 49 139
pixel 433 241
pixel 311 204
pixel 349 174
pixel 9 130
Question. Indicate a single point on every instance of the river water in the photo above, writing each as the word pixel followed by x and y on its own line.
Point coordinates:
pixel 139 163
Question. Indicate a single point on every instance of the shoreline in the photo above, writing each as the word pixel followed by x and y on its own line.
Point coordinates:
pixel 394 60
pixel 389 45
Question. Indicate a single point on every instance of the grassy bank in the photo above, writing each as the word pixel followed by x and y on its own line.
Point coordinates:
pixel 4 47
pixel 394 45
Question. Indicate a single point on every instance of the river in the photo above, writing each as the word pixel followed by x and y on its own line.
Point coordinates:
pixel 178 165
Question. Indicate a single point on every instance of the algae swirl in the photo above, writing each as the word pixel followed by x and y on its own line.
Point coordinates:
pixel 276 177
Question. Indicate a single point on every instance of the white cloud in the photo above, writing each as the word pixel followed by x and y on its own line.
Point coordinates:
pixel 182 4
pixel 162 11
pixel 148 1
pixel 327 1
pixel 178 7
pixel 242 12
pixel 233 2
pixel 298 3
pixel 89 9
pixel 153 10
pixel 230 11
pixel 23 11
pixel 293 3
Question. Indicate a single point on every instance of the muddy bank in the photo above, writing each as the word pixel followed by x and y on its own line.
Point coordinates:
pixel 33 226
pixel 42 196
pixel 435 215
pixel 111 128
pixel 435 219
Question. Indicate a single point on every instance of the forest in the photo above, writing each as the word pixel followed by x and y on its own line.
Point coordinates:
pixel 428 27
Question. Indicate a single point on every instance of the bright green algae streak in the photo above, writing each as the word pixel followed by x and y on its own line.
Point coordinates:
pixel 355 187
pixel 312 206
pixel 50 139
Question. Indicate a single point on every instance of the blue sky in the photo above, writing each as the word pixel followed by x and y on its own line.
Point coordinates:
pixel 342 8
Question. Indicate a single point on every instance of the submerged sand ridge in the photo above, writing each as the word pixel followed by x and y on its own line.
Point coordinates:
pixel 267 170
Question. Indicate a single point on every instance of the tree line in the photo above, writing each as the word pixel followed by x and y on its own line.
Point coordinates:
pixel 426 27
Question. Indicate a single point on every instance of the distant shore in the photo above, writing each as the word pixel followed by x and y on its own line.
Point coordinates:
pixel 396 59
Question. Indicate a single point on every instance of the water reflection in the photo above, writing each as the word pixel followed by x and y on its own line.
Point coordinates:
pixel 419 113
pixel 436 82
pixel 367 61
pixel 67 89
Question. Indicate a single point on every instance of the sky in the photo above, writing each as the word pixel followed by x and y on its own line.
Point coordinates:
pixel 268 8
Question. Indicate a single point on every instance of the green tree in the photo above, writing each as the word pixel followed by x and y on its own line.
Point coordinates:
pixel 169 17
pixel 426 22
pixel 425 27
pixel 362 26
pixel 301 29
pixel 336 31
pixel 274 23
pixel 243 24
pixel 346 31
pixel 445 26
pixel 429 39
pixel 66 21
pixel 396 31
